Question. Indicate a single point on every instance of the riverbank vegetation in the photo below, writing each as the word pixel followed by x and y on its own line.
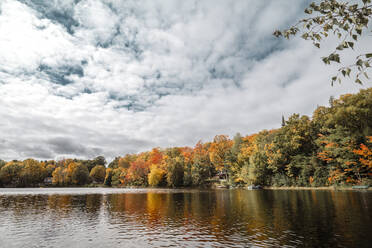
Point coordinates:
pixel 334 147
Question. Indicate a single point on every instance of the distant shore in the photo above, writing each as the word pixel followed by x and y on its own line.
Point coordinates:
pixel 244 187
pixel 315 188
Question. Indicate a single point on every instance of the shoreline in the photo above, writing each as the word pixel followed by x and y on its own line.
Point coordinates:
pixel 329 188
pixel 316 188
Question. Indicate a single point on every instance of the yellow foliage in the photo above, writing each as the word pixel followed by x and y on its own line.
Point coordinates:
pixel 156 176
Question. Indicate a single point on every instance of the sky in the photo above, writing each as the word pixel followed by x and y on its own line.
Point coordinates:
pixel 82 78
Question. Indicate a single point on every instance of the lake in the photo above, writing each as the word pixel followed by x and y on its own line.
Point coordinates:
pixel 108 217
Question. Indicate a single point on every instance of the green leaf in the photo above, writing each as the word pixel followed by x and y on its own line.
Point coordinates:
pixel 355 37
pixel 366 75
pixel 277 33
pixel 317 45
pixel 340 47
pixel 335 57
pixel 351 44
pixel 305 36
pixel 369 55
pixel 359 62
pixel 348 70
pixel 308 11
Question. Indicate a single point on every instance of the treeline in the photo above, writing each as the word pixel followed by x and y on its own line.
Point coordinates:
pixel 334 147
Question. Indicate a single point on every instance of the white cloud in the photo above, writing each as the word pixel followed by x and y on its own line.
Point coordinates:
pixel 110 77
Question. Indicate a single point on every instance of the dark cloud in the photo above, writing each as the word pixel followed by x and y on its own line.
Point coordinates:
pixel 62 145
pixel 61 75
pixel 57 13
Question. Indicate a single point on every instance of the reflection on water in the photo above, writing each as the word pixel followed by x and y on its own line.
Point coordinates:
pixel 184 218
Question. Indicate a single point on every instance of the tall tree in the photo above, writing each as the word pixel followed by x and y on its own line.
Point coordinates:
pixel 219 151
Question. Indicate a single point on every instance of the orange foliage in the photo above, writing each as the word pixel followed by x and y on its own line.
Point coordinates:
pixel 311 180
pixel 137 172
pixel 155 156
pixel 219 149
pixel 366 154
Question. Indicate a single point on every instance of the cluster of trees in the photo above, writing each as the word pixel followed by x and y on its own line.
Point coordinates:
pixel 31 172
pixel 334 147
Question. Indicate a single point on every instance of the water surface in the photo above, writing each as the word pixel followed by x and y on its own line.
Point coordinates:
pixel 106 217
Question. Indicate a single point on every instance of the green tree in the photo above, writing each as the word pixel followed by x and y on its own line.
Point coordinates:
pixel 235 166
pixel 256 171
pixel 100 160
pixel 77 174
pixel 348 21
pixel 292 143
pixel 201 165
pixel 108 177
pixel 114 163
pixel 2 164
pixel 175 172
pixel 118 176
pixel 98 173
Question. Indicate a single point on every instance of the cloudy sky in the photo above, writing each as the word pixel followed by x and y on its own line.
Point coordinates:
pixel 81 78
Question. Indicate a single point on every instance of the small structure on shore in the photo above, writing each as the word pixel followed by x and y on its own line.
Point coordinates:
pixel 254 186
pixel 48 181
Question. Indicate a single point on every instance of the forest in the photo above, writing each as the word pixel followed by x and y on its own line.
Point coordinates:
pixel 333 147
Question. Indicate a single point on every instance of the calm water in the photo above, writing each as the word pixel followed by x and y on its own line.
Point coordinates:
pixel 68 217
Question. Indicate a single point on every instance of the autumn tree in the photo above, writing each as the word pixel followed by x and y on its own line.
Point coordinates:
pixel 124 162
pixel 58 177
pixel 247 147
pixel 50 166
pixel 155 156
pixel 33 172
pixel 187 154
pixel 342 128
pixel 137 173
pixel 365 159
pixel 10 173
pixel 156 177
pixel 219 152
